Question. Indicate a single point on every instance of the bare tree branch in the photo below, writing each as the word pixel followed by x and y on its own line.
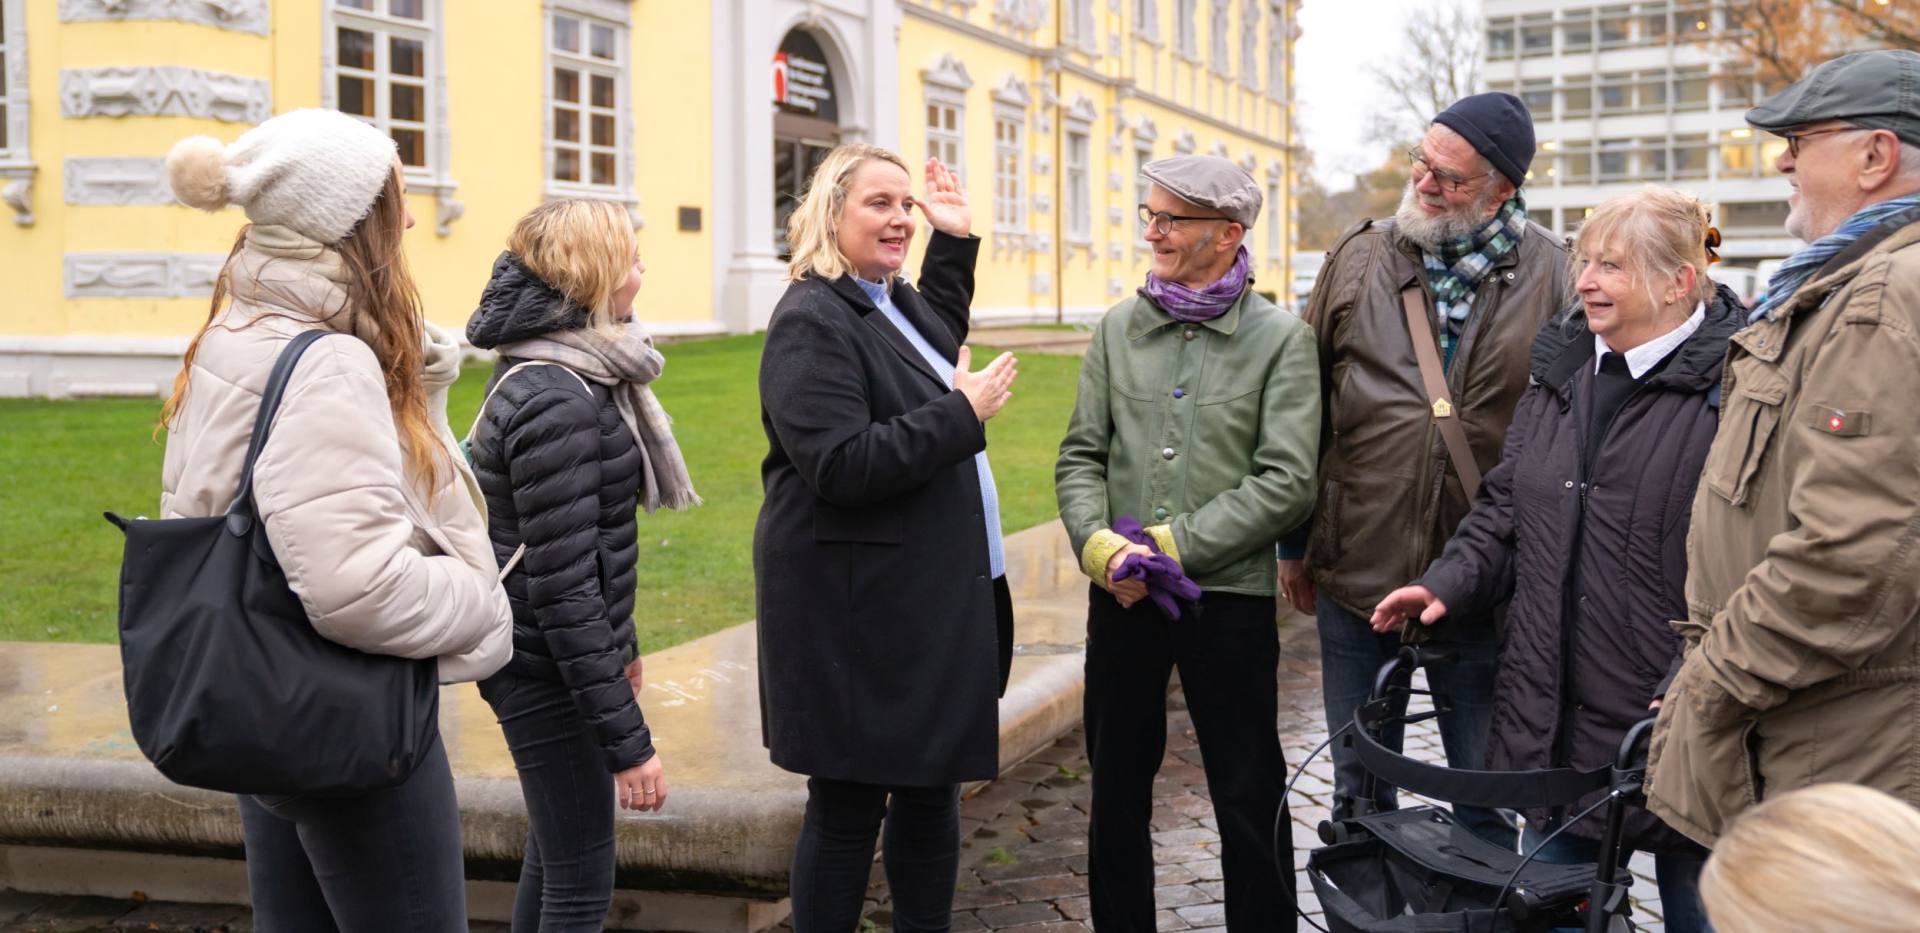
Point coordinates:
pixel 1437 62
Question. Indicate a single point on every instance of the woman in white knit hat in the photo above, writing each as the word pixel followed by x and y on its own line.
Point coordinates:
pixel 368 504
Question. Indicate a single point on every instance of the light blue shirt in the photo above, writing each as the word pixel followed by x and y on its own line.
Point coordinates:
pixel 989 494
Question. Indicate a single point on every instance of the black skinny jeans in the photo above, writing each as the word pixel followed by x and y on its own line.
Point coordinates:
pixel 386 861
pixel 1228 652
pixel 566 879
pixel 834 858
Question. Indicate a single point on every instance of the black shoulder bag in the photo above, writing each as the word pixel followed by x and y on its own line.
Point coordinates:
pixel 229 687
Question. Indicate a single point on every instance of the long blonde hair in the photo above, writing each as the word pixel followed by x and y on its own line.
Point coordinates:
pixel 583 248
pixel 1659 230
pixel 379 286
pixel 810 231
pixel 1832 857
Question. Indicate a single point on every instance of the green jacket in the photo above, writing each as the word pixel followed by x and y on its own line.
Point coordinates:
pixel 1207 433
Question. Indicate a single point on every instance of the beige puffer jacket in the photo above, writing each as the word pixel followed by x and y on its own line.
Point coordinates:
pixel 378 563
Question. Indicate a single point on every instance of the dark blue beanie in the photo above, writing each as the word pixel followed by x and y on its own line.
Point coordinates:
pixel 1499 128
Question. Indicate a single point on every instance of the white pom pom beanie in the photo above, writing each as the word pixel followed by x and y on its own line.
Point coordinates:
pixel 315 171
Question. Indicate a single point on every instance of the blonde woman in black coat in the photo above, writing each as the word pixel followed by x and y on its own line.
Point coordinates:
pixel 884 620
pixel 1582 527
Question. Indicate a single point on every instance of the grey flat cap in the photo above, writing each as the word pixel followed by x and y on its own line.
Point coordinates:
pixel 1209 181
pixel 1878 90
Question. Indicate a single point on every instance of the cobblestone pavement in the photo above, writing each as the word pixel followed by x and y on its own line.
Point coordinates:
pixel 1024 850
pixel 1024 854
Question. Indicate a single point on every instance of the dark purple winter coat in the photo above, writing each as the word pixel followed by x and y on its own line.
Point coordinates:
pixel 1588 552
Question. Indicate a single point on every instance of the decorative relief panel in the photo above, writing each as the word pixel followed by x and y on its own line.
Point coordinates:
pixel 238 15
pixel 141 275
pixel 17 194
pixel 164 91
pixel 120 180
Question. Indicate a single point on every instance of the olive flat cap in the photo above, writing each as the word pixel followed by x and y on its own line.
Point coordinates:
pixel 1209 181
pixel 1878 90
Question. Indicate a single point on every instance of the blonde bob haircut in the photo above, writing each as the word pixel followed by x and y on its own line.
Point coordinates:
pixel 1838 858
pixel 583 248
pixel 810 231
pixel 1658 230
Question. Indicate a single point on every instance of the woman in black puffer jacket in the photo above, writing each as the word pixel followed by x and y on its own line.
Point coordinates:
pixel 1582 527
pixel 569 441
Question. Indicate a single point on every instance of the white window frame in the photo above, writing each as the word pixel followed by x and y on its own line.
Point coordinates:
pixel 13 44
pixel 433 78
pixel 1077 182
pixel 1186 37
pixel 1079 26
pixel 1143 139
pixel 16 158
pixel 944 86
pixel 1272 212
pixel 1146 19
pixel 589 67
pixel 1219 49
pixel 1010 104
pixel 1277 28
pixel 1250 44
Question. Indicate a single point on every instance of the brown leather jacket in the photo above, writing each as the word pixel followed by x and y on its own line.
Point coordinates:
pixel 1389 499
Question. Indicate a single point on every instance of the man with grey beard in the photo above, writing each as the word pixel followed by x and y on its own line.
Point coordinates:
pixel 1422 320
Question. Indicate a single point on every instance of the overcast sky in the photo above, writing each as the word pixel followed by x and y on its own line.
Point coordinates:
pixel 1338 40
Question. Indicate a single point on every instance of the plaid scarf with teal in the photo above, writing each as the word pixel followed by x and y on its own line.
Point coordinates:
pixel 1455 272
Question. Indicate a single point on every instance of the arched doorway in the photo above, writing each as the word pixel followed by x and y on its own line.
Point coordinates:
pixel 806 123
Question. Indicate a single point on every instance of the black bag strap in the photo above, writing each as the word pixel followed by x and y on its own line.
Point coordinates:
pixel 240 513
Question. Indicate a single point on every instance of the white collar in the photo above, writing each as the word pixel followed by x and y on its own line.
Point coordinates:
pixel 1641 358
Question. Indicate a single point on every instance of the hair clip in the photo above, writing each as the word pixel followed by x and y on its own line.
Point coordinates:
pixel 1713 243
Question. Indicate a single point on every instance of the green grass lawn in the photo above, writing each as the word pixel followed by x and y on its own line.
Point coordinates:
pixel 62 463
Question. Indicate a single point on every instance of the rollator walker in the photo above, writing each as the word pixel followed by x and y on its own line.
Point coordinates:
pixel 1415 869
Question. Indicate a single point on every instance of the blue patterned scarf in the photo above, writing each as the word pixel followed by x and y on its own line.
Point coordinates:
pixel 1455 271
pixel 1801 266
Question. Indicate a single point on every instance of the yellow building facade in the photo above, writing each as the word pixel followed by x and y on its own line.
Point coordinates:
pixel 701 116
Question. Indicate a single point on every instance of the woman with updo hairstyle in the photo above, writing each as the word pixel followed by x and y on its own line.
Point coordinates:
pixel 1581 529
pixel 884 617
pixel 360 489
pixel 569 442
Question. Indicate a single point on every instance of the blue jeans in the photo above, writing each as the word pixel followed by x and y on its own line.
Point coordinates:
pixel 566 878
pixel 1678 876
pixel 1350 657
pixel 389 860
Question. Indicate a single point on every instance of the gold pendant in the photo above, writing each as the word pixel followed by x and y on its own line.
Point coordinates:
pixel 1442 409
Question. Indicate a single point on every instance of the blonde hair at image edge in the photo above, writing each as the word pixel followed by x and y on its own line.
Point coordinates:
pixel 581 247
pixel 1838 858
pixel 810 231
pixel 1658 230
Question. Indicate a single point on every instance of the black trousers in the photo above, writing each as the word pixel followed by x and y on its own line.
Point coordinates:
pixel 1228 652
pixel 386 861
pixel 834 858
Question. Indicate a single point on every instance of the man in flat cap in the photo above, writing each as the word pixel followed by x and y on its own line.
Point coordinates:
pixel 1198 418
pixel 1425 322
pixel 1803 587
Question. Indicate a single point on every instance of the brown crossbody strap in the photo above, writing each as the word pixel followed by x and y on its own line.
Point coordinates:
pixel 1420 328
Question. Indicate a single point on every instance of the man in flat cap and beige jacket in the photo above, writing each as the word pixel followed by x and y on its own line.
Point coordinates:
pixel 1803 582
pixel 1198 418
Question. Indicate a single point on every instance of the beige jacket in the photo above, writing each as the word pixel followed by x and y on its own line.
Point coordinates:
pixel 1803 587
pixel 378 564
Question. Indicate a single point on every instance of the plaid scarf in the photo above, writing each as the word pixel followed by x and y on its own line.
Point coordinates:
pixel 1801 266
pixel 1456 271
pixel 625 364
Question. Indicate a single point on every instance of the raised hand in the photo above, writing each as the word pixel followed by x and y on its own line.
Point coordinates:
pixel 945 203
pixel 989 388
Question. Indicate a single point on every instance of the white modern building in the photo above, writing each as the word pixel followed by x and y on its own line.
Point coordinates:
pixel 1628 94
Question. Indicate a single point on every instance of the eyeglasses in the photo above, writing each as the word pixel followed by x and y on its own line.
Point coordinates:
pixel 1793 139
pixel 1448 180
pixel 1161 222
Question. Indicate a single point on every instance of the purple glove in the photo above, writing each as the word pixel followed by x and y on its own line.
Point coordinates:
pixel 1167 586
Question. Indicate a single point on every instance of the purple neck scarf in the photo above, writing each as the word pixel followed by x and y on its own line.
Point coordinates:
pixel 1193 306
